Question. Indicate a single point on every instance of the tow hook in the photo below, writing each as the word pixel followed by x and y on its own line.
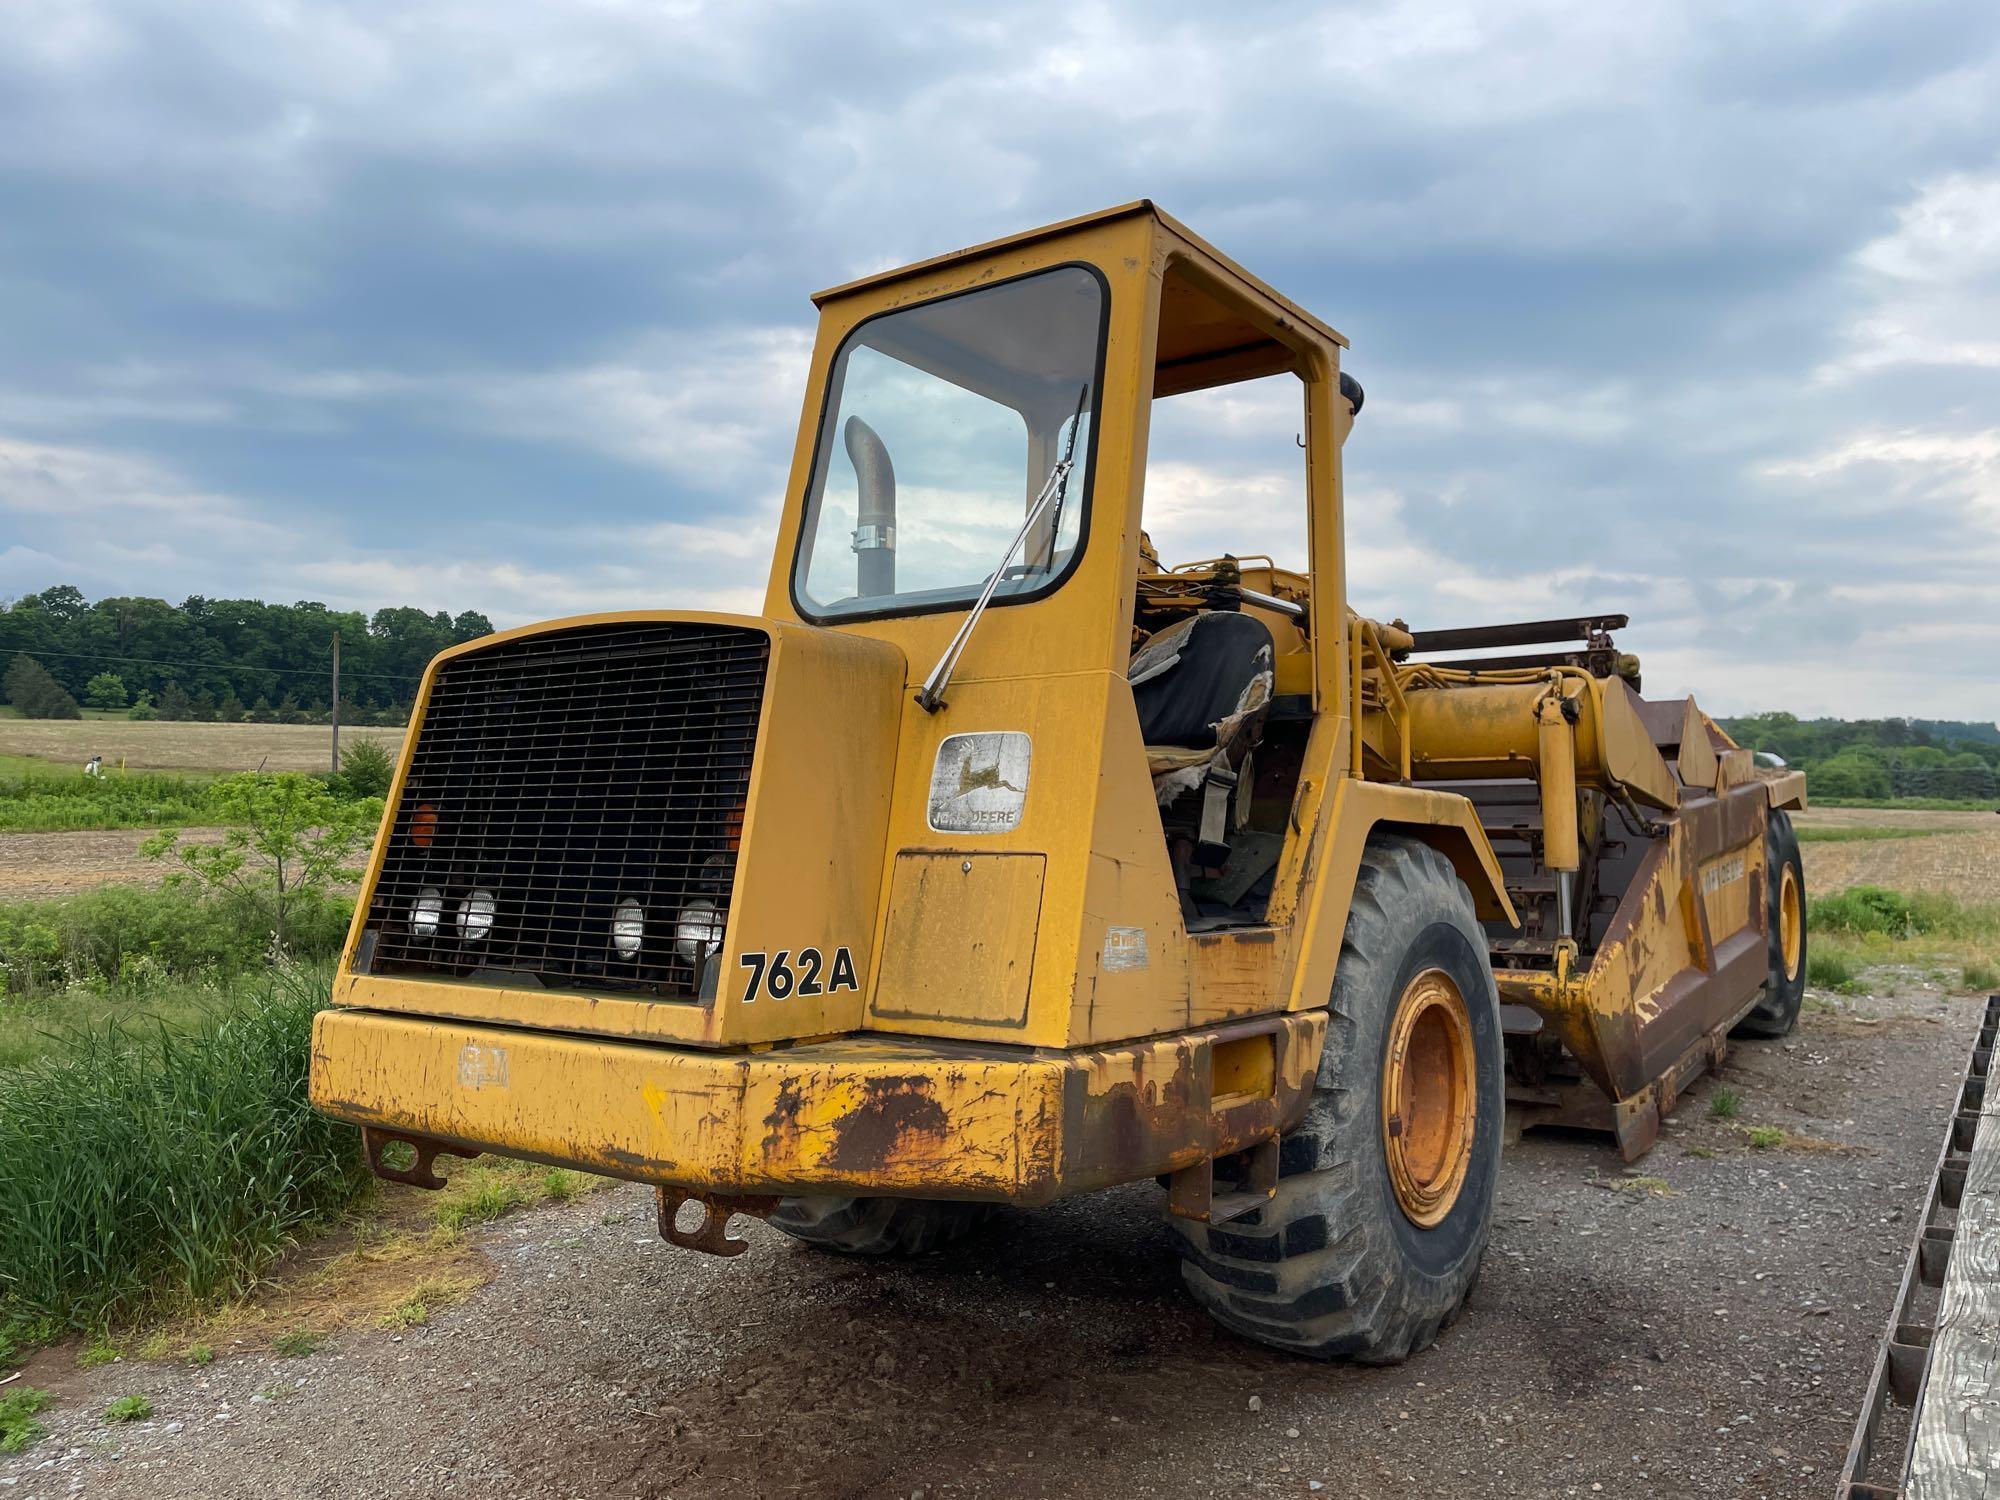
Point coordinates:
pixel 418 1174
pixel 717 1209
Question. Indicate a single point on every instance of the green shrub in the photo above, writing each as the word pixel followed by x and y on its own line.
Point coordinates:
pixel 1980 975
pixel 366 770
pixel 128 1409
pixel 1871 909
pixel 1724 1104
pixel 138 1165
pixel 133 936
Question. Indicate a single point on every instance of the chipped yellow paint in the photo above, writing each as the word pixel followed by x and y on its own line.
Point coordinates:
pixel 855 1113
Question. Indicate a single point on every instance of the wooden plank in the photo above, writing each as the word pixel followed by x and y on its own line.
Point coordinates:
pixel 1956 1448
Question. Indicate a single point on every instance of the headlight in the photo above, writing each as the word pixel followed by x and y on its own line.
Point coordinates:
pixel 475 916
pixel 628 928
pixel 699 930
pixel 427 912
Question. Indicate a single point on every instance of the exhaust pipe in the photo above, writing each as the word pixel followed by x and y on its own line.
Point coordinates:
pixel 875 515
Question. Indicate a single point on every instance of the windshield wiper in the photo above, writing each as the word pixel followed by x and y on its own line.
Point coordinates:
pixel 931 695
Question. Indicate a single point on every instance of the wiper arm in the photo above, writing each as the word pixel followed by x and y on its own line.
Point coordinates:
pixel 930 697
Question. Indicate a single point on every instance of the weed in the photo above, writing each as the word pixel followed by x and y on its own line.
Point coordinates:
pixel 128 1409
pixel 559 1186
pixel 297 1343
pixel 426 1297
pixel 1701 1151
pixel 1981 975
pixel 1724 1104
pixel 157 1346
pixel 198 1354
pixel 479 1201
pixel 1764 1137
pixel 1830 969
pixel 99 1351
pixel 18 1426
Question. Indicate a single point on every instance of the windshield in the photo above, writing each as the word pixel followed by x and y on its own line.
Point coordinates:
pixel 943 423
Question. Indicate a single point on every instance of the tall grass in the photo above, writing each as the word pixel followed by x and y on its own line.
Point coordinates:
pixel 141 1166
pixel 133 936
pixel 33 801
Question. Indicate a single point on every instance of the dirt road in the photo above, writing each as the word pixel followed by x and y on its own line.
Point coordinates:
pixel 1712 1342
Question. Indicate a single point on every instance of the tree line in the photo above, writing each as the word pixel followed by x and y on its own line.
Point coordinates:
pixel 219 658
pixel 1874 758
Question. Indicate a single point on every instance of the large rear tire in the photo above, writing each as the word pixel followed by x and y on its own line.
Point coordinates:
pixel 886 1227
pixel 1385 1190
pixel 1785 899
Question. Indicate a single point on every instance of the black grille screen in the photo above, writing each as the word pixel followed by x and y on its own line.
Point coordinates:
pixel 561 782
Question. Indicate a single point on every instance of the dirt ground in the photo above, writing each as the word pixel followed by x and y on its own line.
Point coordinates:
pixel 157 745
pixel 1711 1342
pixel 36 866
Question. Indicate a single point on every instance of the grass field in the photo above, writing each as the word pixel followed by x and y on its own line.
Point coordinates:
pixel 156 745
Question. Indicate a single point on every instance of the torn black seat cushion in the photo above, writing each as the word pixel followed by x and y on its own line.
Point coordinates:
pixel 1202 688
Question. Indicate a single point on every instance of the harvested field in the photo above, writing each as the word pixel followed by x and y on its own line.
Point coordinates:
pixel 1960 855
pixel 159 746
pixel 37 866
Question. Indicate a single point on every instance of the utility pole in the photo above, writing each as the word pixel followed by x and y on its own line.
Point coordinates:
pixel 336 703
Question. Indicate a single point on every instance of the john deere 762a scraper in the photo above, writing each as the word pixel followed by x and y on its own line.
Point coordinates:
pixel 996 861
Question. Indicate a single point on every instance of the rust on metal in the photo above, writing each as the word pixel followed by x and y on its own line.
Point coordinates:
pixel 420 1173
pixel 896 1117
pixel 717 1209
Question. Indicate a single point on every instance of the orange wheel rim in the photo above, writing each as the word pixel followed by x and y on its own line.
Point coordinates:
pixel 1791 922
pixel 1430 1098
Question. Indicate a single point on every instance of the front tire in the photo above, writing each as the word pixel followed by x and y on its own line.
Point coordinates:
pixel 1777 1011
pixel 1385 1190
pixel 888 1228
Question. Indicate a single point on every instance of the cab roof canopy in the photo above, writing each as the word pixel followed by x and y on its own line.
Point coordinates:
pixel 1218 322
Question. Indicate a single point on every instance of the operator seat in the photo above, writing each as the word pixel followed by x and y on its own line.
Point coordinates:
pixel 1203 688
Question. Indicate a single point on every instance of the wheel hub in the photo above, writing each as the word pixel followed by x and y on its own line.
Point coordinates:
pixel 1430 1097
pixel 1791 924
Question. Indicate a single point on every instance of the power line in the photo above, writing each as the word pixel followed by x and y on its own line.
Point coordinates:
pixel 217 666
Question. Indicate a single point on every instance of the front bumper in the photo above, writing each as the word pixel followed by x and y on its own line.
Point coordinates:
pixel 862 1114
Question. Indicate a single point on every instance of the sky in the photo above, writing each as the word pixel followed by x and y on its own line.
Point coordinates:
pixel 1689 311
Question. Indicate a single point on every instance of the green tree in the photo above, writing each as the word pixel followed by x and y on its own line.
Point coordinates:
pixel 365 770
pixel 1848 775
pixel 175 703
pixel 293 841
pixel 35 693
pixel 105 690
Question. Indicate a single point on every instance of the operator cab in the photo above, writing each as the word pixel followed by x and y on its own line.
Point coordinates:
pixel 955 472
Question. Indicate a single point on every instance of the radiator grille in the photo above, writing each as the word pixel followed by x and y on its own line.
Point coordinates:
pixel 564 776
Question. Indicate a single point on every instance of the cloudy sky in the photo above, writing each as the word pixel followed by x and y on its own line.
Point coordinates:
pixel 1691 311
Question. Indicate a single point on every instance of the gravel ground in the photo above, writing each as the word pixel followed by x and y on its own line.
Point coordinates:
pixel 1621 1342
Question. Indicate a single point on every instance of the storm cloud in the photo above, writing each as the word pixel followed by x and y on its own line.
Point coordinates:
pixel 1690 311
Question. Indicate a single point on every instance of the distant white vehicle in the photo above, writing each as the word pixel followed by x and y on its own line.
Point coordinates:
pixel 1770 758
